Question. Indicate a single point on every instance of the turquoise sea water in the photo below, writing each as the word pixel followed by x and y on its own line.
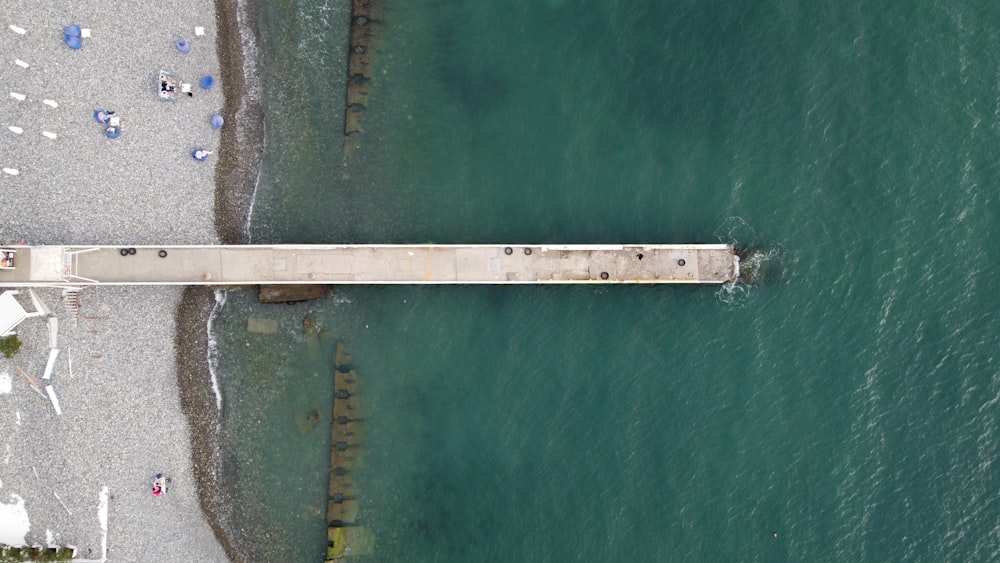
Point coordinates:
pixel 848 402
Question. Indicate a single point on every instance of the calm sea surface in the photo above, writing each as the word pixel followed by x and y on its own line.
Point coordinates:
pixel 844 408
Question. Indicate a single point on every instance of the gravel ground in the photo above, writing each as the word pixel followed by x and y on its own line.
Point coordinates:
pixel 82 187
pixel 121 419
pixel 121 424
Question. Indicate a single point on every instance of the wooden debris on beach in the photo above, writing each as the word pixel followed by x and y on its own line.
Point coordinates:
pixel 293 293
pixel 32 382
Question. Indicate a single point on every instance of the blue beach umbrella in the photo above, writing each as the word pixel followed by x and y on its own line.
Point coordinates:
pixel 216 121
pixel 113 132
pixel 74 42
pixel 71 35
pixel 200 154
pixel 102 116
pixel 183 46
pixel 207 82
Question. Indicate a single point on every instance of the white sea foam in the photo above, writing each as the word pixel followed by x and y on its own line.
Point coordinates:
pixel 14 522
pixel 249 47
pixel 251 95
pixel 317 21
pixel 213 345
pixel 758 267
pixel 253 195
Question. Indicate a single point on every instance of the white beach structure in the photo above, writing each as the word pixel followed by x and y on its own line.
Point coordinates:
pixel 12 312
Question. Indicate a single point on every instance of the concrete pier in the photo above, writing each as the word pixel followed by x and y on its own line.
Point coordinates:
pixel 370 264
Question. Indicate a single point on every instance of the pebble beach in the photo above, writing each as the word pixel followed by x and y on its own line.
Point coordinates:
pixel 116 378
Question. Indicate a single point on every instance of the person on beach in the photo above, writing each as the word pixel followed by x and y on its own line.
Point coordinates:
pixel 103 116
pixel 160 484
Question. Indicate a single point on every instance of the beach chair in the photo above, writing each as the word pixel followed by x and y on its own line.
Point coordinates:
pixel 167 86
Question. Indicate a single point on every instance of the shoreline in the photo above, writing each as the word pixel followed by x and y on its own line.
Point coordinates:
pixel 241 145
pixel 241 148
pixel 198 403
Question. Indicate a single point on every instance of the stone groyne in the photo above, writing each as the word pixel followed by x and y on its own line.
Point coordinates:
pixel 366 24
pixel 345 535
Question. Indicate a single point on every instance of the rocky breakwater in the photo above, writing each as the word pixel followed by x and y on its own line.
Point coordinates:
pixel 344 535
pixel 366 22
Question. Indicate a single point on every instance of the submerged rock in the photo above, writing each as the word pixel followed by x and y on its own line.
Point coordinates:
pixel 308 419
pixel 343 359
pixel 260 325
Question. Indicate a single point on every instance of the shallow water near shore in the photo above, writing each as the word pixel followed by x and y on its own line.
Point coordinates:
pixel 843 409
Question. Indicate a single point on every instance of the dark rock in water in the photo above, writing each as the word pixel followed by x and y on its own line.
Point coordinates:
pixel 291 293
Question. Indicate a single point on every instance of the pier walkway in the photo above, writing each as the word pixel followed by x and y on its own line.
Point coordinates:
pixel 369 264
